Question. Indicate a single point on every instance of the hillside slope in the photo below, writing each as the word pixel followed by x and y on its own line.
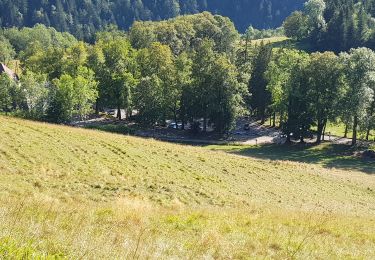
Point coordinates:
pixel 62 187
pixel 106 166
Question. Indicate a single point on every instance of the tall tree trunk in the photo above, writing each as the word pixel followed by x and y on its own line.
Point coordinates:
pixel 129 113
pixel 346 131
pixel 274 119
pixel 355 127
pixel 182 114
pixel 321 130
pixel 246 47
pixel 301 137
pixel 175 118
pixel 262 117
pixel 281 119
pixel 97 107
pixel 119 112
pixel 369 126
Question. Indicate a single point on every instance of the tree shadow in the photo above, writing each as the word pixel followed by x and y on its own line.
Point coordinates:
pixel 329 155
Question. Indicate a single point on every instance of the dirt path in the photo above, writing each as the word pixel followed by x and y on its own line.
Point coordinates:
pixel 256 134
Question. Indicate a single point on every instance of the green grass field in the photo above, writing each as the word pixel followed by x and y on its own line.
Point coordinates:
pixel 84 194
pixel 271 40
pixel 339 130
pixel 284 42
pixel 336 129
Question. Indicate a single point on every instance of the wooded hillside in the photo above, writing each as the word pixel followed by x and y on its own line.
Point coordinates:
pixel 83 18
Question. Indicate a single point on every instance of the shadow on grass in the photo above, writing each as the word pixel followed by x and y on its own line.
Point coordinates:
pixel 338 156
pixel 328 155
pixel 113 128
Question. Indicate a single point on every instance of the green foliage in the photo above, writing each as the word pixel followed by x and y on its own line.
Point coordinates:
pixel 169 74
pixel 327 88
pixel 299 110
pixel 35 87
pixel 296 26
pixel 149 100
pixel 279 75
pixel 6 89
pixel 22 39
pixel 48 61
pixel 288 87
pixel 314 10
pixel 313 89
pixel 260 96
pixel 73 96
pixel 157 68
pixel 186 32
pixel 334 25
pixel 113 60
pixel 7 52
pixel 215 93
pixel 359 69
pixel 256 34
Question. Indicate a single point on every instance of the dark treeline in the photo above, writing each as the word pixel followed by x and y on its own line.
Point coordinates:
pixel 335 25
pixel 84 18
pixel 190 69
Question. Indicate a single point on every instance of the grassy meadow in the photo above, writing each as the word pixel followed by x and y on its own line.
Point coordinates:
pixel 85 194
pixel 284 42
pixel 271 40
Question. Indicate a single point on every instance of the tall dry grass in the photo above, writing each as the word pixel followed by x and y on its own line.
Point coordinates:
pixel 137 229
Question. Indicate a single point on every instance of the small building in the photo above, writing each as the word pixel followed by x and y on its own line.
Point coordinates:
pixel 9 72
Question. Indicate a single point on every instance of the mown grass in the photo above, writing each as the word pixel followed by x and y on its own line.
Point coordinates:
pixel 271 40
pixel 285 42
pixel 77 194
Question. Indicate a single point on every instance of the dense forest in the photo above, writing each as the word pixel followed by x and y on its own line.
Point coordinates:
pixel 84 18
pixel 335 25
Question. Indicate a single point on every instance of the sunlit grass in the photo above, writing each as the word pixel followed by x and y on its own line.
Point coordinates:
pixel 338 129
pixel 76 193
pixel 128 228
pixel 276 39
pixel 335 129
